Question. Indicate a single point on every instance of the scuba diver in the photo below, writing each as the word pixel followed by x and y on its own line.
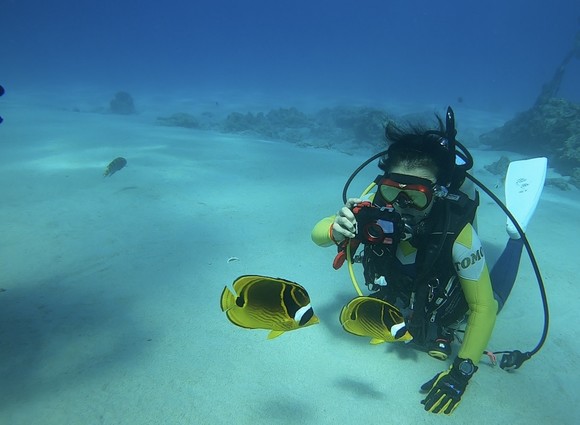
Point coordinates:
pixel 422 258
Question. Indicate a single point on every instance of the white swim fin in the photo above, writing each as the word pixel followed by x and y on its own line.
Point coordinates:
pixel 523 186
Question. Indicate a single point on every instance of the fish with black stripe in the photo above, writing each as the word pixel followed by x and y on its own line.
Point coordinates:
pixel 262 302
pixel 374 318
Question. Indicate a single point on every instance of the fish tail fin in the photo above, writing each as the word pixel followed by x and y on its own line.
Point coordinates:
pixel 228 299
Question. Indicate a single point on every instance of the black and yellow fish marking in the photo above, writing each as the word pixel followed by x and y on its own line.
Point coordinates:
pixel 114 166
pixel 262 302
pixel 374 318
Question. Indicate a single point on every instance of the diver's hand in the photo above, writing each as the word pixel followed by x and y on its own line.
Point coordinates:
pixel 344 226
pixel 446 388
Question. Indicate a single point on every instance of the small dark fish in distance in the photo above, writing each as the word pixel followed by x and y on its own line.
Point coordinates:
pixel 115 165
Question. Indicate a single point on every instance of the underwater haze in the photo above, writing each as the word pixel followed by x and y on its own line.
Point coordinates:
pixel 493 55
pixel 151 153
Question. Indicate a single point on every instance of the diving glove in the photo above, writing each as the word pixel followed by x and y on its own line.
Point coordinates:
pixel 446 388
pixel 344 225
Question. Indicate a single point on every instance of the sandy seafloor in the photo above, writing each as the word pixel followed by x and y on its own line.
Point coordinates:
pixel 110 313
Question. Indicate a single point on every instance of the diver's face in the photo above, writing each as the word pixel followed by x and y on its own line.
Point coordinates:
pixel 410 214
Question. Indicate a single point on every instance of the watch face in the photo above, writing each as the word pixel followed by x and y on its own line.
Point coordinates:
pixel 466 367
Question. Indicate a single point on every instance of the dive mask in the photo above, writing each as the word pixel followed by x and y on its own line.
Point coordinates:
pixel 406 191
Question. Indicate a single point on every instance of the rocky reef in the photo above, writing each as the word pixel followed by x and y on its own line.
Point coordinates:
pixel 327 127
pixel 180 119
pixel 287 124
pixel 122 104
pixel 361 125
pixel 550 128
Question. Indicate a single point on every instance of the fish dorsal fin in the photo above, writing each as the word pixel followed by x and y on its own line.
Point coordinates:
pixel 376 341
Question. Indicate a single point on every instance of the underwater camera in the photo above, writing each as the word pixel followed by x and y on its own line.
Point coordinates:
pixel 377 225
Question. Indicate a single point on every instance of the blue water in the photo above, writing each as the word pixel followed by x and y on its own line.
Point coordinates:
pixel 492 55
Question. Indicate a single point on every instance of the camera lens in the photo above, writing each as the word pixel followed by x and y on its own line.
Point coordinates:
pixel 374 233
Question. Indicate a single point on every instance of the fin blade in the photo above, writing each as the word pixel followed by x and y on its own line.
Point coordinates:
pixel 523 186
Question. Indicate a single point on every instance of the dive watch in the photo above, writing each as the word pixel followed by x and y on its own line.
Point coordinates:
pixel 466 367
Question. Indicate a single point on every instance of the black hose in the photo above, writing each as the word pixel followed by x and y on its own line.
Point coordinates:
pixel 536 271
pixel 358 170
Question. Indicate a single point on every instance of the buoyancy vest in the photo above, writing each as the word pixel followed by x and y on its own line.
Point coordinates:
pixel 430 286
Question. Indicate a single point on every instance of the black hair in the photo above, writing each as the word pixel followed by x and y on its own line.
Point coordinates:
pixel 416 145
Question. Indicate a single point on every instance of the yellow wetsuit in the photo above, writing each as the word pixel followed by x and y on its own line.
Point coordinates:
pixel 471 269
